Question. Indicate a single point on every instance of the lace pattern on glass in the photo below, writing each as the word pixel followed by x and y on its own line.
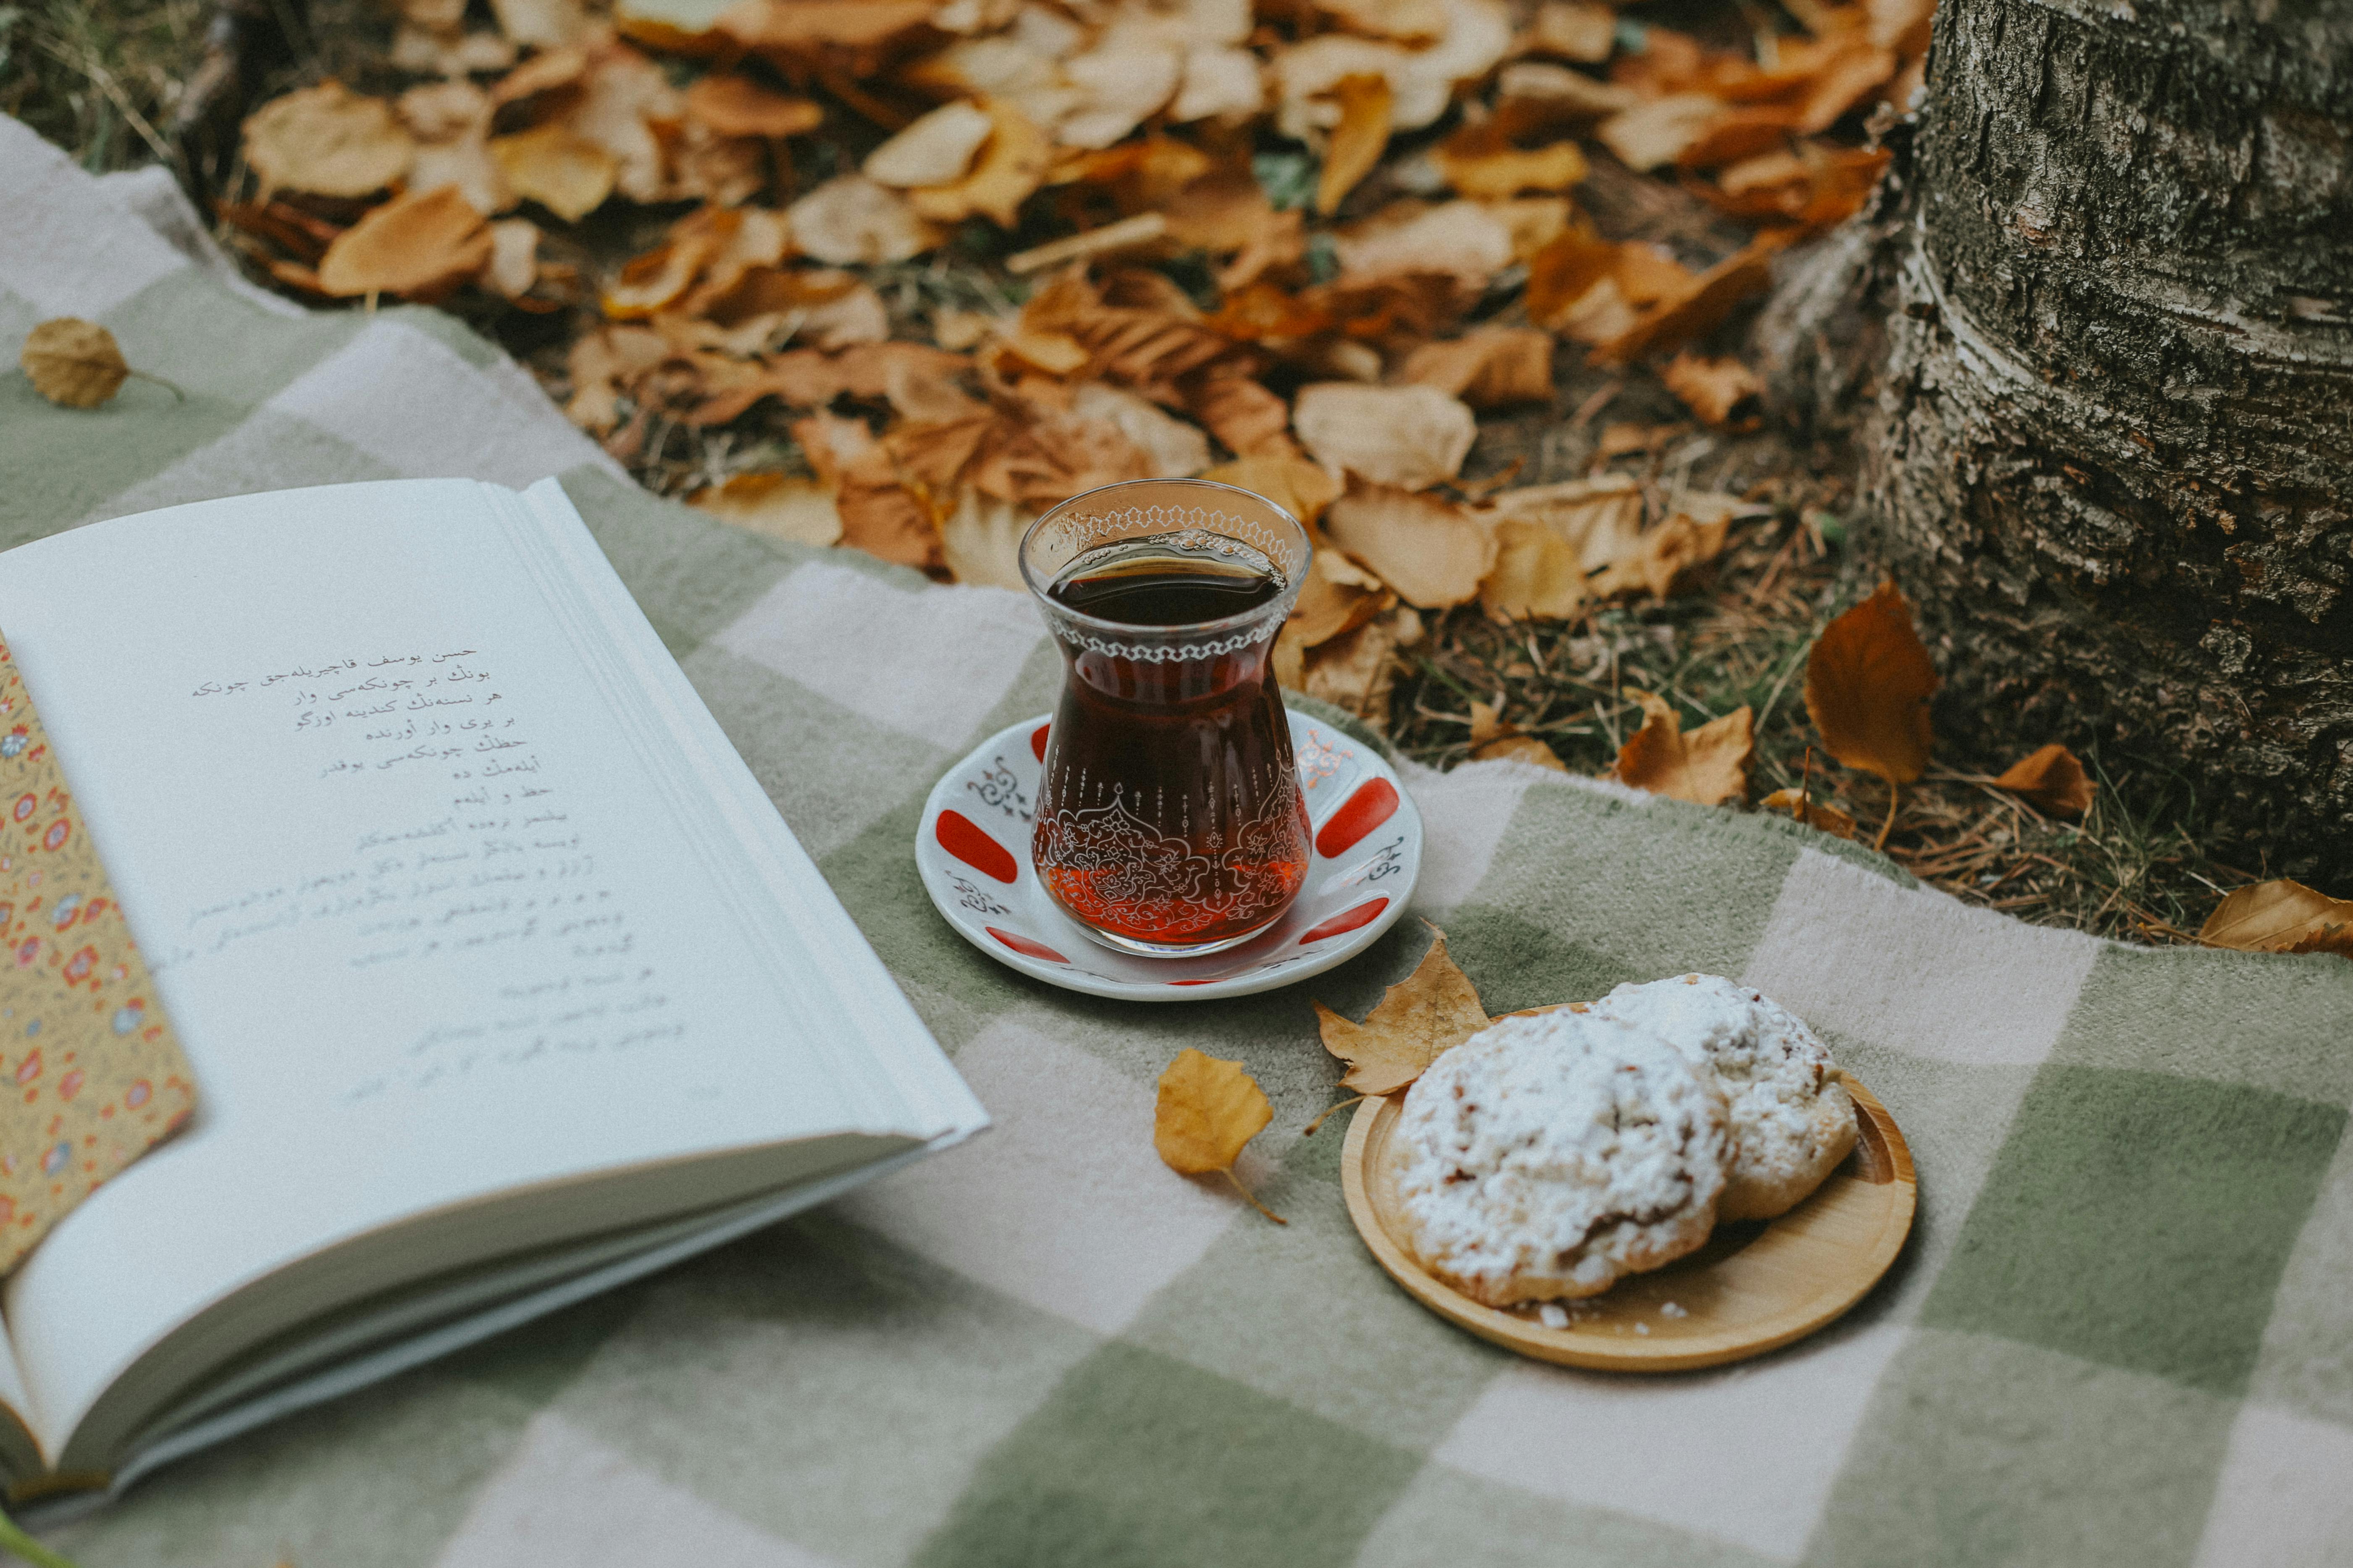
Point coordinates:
pixel 1114 869
pixel 1199 528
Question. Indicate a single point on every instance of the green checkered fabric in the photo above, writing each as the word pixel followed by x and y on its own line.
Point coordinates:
pixel 2122 1332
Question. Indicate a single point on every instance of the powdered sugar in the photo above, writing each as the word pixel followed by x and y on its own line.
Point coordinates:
pixel 1791 1122
pixel 1547 1156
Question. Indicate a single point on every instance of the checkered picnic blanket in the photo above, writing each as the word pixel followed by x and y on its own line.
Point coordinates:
pixel 2122 1333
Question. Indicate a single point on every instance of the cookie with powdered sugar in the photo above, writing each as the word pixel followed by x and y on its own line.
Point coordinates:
pixel 1792 1121
pixel 1547 1156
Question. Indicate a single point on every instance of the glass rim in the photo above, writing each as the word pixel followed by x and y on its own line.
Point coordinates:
pixel 1190 628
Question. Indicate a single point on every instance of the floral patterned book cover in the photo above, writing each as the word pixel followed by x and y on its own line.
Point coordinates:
pixel 91 1074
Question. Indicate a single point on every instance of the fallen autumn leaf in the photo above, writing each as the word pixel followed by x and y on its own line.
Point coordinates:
pixel 1207 1109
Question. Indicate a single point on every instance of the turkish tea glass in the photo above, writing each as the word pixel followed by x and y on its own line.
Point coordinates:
pixel 1169 822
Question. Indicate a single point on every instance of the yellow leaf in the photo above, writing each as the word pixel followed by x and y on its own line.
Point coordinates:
pixel 1009 167
pixel 73 363
pixel 1432 553
pixel 1707 768
pixel 1410 436
pixel 936 150
pixel 1673 548
pixel 2281 917
pixel 1813 814
pixel 1207 1109
pixel 1488 171
pixel 1365 100
pixel 569 177
pixel 2052 778
pixel 1336 597
pixel 327 141
pixel 1489 367
pixel 420 246
pixel 1537 574
pixel 1868 682
pixel 1429 1011
pixel 1298 487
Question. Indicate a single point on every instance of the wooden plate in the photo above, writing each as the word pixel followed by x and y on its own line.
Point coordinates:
pixel 1754 1286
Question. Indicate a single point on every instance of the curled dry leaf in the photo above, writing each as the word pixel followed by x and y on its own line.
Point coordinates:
pixel 1426 1013
pixel 1696 306
pixel 418 246
pixel 1491 367
pixel 327 141
pixel 2052 778
pixel 1708 766
pixel 1561 545
pixel 1413 436
pixel 1715 389
pixel 2280 916
pixel 567 174
pixel 1810 810
pixel 73 363
pixel 1207 1109
pixel 1432 553
pixel 936 150
pixel 790 507
pixel 1357 140
pixel 1010 165
pixel 1868 682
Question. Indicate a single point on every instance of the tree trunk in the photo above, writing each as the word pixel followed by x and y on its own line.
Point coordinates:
pixel 2113 433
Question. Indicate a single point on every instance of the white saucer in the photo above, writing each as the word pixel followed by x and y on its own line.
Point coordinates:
pixel 972 852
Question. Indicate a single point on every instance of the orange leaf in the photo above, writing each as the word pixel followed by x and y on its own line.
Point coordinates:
pixel 1810 811
pixel 1868 682
pixel 2281 917
pixel 1707 768
pixel 1357 140
pixel 1699 305
pixel 2052 779
pixel 1005 172
pixel 1432 553
pixel 735 105
pixel 1208 1110
pixel 1711 388
pixel 1426 1013
pixel 1488 368
pixel 417 247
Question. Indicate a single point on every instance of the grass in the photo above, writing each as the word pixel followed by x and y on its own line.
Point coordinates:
pixel 104 81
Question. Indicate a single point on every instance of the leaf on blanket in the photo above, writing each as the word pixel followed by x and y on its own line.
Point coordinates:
pixel 2280 916
pixel 2052 778
pixel 1428 1012
pixel 73 363
pixel 1868 682
pixel 1208 1107
pixel 1708 766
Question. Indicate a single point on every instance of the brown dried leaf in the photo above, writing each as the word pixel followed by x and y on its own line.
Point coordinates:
pixel 73 363
pixel 1432 553
pixel 1674 548
pixel 1415 436
pixel 1600 523
pixel 981 541
pixel 1465 241
pixel 1707 768
pixel 327 141
pixel 1489 367
pixel 1422 1016
pixel 542 24
pixel 1810 811
pixel 567 174
pixel 1356 672
pixel 1868 682
pixel 1007 171
pixel 1207 1109
pixel 1336 597
pixel 1698 305
pixel 418 246
pixel 936 150
pixel 735 105
pixel 1174 449
pixel 2052 778
pixel 1574 30
pixel 1537 574
pixel 1711 388
pixel 1357 140
pixel 1298 487
pixel 1654 133
pixel 1407 21
pixel 1480 161
pixel 2280 916
pixel 783 506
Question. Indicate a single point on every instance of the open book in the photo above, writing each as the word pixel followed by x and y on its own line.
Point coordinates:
pixel 501 979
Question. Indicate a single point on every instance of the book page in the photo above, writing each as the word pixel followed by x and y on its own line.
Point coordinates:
pixel 429 928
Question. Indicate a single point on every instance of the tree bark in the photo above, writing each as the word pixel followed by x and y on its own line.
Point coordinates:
pixel 2111 443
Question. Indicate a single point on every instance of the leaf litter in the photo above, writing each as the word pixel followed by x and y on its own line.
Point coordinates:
pixel 1160 171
